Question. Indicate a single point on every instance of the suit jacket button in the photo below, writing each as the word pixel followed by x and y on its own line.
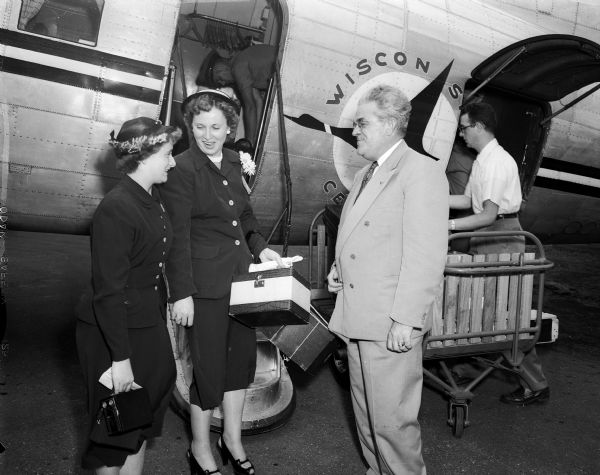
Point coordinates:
pixel 352 256
pixel 351 286
pixel 225 182
pixel 234 223
pixel 237 242
pixel 367 223
pixel 156 287
pixel 230 202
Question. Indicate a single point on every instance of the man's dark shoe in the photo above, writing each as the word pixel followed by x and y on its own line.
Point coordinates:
pixel 520 398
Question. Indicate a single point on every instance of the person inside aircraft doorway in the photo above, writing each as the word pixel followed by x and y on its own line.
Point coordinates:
pixel 494 195
pixel 248 71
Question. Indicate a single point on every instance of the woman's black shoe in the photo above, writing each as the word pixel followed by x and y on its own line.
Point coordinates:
pixel 237 464
pixel 195 467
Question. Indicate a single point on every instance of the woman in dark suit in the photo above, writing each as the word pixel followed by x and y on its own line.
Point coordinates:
pixel 215 237
pixel 123 326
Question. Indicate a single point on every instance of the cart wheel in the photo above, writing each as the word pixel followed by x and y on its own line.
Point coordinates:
pixel 458 421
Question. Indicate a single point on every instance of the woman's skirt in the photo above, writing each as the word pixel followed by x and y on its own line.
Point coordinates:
pixel 153 368
pixel 223 353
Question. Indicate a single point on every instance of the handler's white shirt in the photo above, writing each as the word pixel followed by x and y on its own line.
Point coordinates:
pixel 494 177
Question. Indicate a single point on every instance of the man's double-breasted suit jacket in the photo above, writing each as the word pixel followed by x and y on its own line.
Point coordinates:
pixel 391 247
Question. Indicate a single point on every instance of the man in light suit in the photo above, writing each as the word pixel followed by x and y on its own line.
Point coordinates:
pixel 388 271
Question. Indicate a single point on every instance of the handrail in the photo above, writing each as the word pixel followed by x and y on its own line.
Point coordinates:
pixel 520 266
pixel 526 234
pixel 167 82
pixel 286 168
pixel 460 336
pixel 170 94
pixel 263 117
pixel 497 268
pixel 224 22
pixel 311 230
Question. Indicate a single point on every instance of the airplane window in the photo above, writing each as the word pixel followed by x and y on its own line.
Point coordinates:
pixel 70 20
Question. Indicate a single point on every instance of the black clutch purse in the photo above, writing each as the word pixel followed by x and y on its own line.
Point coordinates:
pixel 124 412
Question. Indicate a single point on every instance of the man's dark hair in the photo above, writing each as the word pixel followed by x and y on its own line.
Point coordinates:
pixel 483 113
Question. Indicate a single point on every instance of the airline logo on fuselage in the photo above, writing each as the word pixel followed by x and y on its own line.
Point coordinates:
pixel 432 125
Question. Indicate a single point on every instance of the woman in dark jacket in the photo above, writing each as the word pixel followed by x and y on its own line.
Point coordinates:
pixel 215 237
pixel 123 327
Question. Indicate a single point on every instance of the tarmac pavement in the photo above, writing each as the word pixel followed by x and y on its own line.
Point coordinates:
pixel 42 400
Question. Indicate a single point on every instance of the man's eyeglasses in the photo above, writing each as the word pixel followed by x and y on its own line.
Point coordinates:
pixel 461 128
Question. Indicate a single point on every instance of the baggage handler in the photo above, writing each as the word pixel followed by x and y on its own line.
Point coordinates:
pixel 248 72
pixel 494 195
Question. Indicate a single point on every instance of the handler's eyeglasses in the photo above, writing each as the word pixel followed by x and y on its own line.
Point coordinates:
pixel 461 128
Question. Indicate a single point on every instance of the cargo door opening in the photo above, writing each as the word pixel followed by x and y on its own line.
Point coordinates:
pixel 520 82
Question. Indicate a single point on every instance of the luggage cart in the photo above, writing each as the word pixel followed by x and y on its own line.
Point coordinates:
pixel 486 310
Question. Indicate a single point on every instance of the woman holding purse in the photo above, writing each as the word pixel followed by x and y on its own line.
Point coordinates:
pixel 122 327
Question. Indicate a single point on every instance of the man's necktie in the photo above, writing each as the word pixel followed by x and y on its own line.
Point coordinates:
pixel 366 178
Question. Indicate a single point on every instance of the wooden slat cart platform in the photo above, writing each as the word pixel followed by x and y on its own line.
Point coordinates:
pixel 486 310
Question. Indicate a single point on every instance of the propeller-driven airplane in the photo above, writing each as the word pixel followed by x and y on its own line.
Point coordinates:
pixel 71 71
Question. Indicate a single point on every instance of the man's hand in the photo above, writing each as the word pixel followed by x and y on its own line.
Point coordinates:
pixel 399 338
pixel 122 376
pixel 334 285
pixel 182 312
pixel 271 255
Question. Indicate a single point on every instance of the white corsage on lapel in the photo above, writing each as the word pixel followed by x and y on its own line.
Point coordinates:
pixel 248 168
pixel 248 165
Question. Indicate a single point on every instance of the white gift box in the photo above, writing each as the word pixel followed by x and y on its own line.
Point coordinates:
pixel 270 298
